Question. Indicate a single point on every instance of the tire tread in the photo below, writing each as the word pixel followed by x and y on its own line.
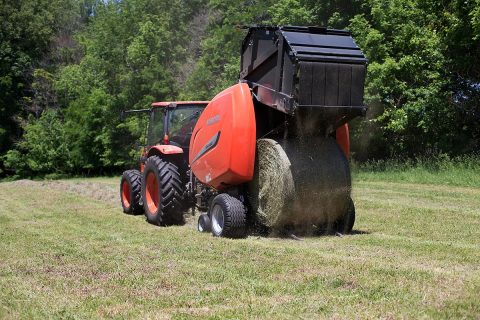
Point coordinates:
pixel 170 210
pixel 235 218
pixel 134 177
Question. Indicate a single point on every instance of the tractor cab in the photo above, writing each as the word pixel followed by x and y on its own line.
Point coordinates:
pixel 172 123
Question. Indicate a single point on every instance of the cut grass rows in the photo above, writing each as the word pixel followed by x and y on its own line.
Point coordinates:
pixel 416 253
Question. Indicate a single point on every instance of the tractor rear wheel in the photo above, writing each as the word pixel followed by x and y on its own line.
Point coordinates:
pixel 162 192
pixel 130 192
pixel 228 217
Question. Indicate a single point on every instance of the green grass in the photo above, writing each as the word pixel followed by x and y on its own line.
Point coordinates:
pixel 461 171
pixel 416 253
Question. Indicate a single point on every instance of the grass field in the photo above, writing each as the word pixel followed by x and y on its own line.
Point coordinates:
pixel 67 251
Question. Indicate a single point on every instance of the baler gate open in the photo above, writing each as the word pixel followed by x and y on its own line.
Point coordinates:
pixel 299 70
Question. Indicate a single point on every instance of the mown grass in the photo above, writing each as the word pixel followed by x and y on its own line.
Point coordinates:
pixel 439 169
pixel 415 253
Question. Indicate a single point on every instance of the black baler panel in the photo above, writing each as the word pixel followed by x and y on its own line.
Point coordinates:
pixel 333 41
pixel 358 84
pixel 344 84
pixel 328 51
pixel 305 82
pixel 330 84
pixel 305 67
pixel 319 84
pixel 265 73
pixel 287 79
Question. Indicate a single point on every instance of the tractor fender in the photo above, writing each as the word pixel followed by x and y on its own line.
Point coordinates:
pixel 163 149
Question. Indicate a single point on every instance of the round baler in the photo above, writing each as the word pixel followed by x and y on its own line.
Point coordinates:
pixel 271 152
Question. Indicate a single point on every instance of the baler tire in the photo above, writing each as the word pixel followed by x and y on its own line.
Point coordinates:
pixel 345 225
pixel 162 192
pixel 204 223
pixel 228 216
pixel 131 191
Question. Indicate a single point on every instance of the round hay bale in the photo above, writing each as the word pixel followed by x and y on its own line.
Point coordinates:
pixel 299 183
pixel 272 190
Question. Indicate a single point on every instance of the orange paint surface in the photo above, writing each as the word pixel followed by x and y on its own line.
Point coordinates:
pixel 151 193
pixel 164 149
pixel 126 194
pixel 343 139
pixel 230 161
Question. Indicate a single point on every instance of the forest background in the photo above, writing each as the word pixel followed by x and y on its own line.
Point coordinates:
pixel 69 67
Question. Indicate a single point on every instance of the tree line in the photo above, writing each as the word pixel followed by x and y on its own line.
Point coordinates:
pixel 68 68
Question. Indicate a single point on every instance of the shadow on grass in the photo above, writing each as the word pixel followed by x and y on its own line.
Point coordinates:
pixel 357 232
pixel 299 234
pixel 319 234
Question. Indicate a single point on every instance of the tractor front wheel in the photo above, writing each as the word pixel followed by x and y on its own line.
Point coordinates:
pixel 228 217
pixel 162 192
pixel 130 192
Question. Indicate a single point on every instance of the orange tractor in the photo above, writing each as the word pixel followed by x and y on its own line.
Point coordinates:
pixel 269 153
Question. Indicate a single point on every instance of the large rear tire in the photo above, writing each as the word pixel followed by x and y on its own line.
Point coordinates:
pixel 130 192
pixel 162 192
pixel 228 216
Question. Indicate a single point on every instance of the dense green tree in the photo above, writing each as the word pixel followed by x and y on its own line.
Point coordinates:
pixel 76 64
pixel 423 82
pixel 421 55
pixel 406 73
pixel 133 54
pixel 27 30
pixel 46 144
pixel 219 63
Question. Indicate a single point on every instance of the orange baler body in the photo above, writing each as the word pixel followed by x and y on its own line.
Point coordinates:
pixel 222 148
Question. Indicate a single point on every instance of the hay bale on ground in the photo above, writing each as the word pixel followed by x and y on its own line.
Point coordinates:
pixel 299 183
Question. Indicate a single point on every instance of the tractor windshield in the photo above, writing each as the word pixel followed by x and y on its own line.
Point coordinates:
pixel 182 120
pixel 155 127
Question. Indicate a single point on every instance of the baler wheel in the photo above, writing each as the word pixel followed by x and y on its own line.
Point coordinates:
pixel 162 192
pixel 204 223
pixel 228 217
pixel 345 224
pixel 130 192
